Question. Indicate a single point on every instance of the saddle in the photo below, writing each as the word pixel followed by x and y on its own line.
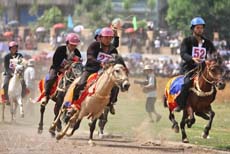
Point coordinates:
pixel 69 95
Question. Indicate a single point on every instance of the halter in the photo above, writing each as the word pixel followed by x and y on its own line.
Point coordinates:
pixel 111 75
pixel 197 90
pixel 65 79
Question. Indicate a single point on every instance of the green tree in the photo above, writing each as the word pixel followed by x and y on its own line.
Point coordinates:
pixel 95 13
pixel 181 12
pixel 34 8
pixel 127 4
pixel 50 17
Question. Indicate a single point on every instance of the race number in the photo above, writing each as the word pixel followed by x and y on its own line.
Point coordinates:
pixel 64 62
pixel 103 57
pixel 199 52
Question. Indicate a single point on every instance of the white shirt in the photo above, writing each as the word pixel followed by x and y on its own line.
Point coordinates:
pixel 29 77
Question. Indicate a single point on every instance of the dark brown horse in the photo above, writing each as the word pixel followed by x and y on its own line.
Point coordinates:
pixel 201 95
pixel 75 70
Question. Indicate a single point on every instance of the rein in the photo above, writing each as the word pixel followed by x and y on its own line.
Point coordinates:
pixel 197 90
pixel 65 79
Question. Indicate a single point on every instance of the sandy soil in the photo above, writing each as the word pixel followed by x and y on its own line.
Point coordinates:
pixel 21 137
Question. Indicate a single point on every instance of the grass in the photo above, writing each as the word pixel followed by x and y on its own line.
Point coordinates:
pixel 131 120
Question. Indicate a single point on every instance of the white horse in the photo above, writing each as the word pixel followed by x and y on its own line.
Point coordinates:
pixel 15 87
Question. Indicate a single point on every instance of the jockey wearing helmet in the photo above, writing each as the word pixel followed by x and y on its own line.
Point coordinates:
pixel 194 50
pixel 115 43
pixel 115 40
pixel 8 73
pixel 93 64
pixel 61 58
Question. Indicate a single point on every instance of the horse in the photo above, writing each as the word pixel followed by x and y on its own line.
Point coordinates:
pixel 75 69
pixel 15 88
pixel 98 96
pixel 207 78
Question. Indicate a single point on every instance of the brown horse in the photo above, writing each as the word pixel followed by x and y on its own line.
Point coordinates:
pixel 74 70
pixel 201 95
pixel 93 104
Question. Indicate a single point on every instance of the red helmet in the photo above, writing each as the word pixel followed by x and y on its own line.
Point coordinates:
pixel 12 44
pixel 73 39
pixel 106 31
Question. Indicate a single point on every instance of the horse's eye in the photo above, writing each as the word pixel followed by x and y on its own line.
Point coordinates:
pixel 117 71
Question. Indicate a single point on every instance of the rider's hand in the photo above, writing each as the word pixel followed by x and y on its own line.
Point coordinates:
pixel 197 60
pixel 62 70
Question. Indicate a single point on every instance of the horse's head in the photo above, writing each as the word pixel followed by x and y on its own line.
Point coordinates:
pixel 215 71
pixel 76 69
pixel 19 69
pixel 119 72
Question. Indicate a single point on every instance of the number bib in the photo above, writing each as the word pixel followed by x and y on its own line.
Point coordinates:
pixel 64 62
pixel 199 52
pixel 103 57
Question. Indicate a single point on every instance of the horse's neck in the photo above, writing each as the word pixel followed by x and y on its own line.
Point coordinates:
pixel 15 80
pixel 105 83
pixel 203 84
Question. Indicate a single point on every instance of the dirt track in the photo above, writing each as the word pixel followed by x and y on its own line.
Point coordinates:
pixel 22 138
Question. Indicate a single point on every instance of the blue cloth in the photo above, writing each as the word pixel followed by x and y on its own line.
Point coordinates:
pixel 176 85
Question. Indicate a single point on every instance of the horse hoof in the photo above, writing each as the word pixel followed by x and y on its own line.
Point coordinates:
pixel 59 129
pixel 205 136
pixel 185 140
pixel 91 143
pixel 69 133
pixel 39 130
pixel 52 132
pixel 101 136
pixel 59 136
pixel 22 115
pixel 176 129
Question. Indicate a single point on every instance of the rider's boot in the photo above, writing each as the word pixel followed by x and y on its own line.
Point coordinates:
pixel 182 97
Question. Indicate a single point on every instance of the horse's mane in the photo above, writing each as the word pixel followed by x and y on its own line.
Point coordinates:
pixel 215 57
pixel 116 59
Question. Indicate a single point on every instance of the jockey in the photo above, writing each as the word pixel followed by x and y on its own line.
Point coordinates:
pixel 62 56
pixel 115 90
pixel 194 50
pixel 8 73
pixel 115 41
pixel 93 64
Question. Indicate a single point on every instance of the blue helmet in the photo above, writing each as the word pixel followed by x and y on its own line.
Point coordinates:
pixel 97 32
pixel 197 21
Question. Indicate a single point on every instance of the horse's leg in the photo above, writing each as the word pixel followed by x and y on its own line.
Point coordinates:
pixel 191 120
pixel 42 110
pixel 75 127
pixel 209 125
pixel 175 126
pixel 19 100
pixel 12 109
pixel 71 121
pixel 92 128
pixel 57 107
pixel 102 121
pixel 54 124
pixel 182 127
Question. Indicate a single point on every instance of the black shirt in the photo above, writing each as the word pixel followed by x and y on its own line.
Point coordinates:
pixel 8 70
pixel 186 51
pixel 92 64
pixel 61 54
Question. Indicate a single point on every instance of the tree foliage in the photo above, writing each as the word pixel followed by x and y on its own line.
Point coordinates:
pixel 215 13
pixel 95 13
pixel 51 17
